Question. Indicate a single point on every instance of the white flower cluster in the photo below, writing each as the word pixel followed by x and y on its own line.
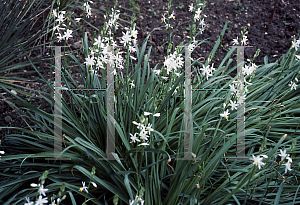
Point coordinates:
pixel 163 19
pixel 198 15
pixel 234 89
pixel 113 19
pixel 258 161
pixel 175 91
pixel 60 18
pixel 128 38
pixel 192 46
pixel 99 54
pixel 173 61
pixel 42 190
pixel 144 130
pixel 283 156
pixel 248 70
pixel 293 84
pixel 88 8
pixel 243 42
pixel 207 70
pixel 40 200
pixel 139 201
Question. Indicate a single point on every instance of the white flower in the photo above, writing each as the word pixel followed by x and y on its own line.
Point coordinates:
pixel 143 144
pixel 99 64
pixel 143 134
pixel 244 40
pixel 147 113
pixel 68 34
pixel 293 85
pixel 114 72
pixel 235 41
pixel 288 166
pixel 42 190
pixel 139 200
pixel 132 49
pixel 172 15
pixel 125 38
pixel 257 161
pixel 138 124
pixel 41 200
pixel 134 138
pixel 241 99
pixel 165 78
pixel 56 28
pixel 225 114
pixel 60 37
pixel 178 74
pixel 132 57
pixel 206 71
pixel 202 23
pixel 157 115
pixel 198 12
pixel 191 47
pixel 149 127
pixel 60 18
pixel 295 44
pixel 89 61
pixel 191 8
pixel 163 19
pixel 98 41
pixel 283 154
pixel 87 9
pixel 247 70
pixel 2 152
pixel 54 12
pixel 298 56
pixel 83 187
pixel 131 84
pixel 33 185
pixel 28 201
pixel 77 19
pixel 264 156
pixel 157 72
pixel 233 105
pixel 288 158
pixel 88 13
pixel 232 88
pixel 94 184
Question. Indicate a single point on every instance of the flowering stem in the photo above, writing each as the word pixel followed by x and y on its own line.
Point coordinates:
pixel 138 9
pixel 169 28
pixel 83 21
pixel 137 169
pixel 271 19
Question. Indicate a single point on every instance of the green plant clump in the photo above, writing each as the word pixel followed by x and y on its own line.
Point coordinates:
pixel 166 151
